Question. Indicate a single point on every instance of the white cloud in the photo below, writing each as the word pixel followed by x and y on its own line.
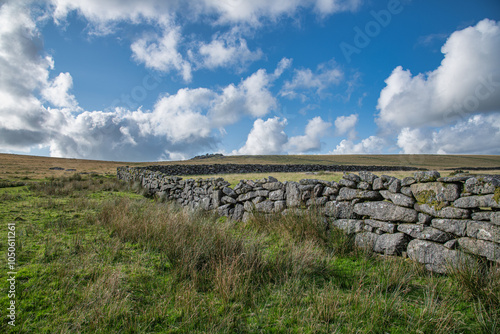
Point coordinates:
pixel 180 117
pixel 466 82
pixel 325 7
pixel 161 52
pixel 269 137
pixel 283 65
pixel 254 11
pixel 480 134
pixel 23 71
pixel 306 81
pixel 104 15
pixel 57 92
pixel 179 125
pixel 227 50
pixel 370 145
pixel 346 124
pixel 316 128
pixel 251 97
pixel 266 137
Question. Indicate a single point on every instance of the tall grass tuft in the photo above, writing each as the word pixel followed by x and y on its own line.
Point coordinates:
pixel 479 280
pixel 210 252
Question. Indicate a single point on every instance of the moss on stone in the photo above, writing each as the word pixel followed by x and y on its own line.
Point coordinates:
pixel 496 195
pixel 429 197
pixel 425 196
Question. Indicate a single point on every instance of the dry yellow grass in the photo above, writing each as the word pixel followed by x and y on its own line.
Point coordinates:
pixel 18 167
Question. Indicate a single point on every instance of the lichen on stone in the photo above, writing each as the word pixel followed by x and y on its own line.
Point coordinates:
pixel 429 197
pixel 496 195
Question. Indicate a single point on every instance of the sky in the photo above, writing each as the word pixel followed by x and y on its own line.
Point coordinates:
pixel 158 80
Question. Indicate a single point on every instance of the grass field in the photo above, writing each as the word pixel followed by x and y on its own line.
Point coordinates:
pixel 95 256
pixel 22 167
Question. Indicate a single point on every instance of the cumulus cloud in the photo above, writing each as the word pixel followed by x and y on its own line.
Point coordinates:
pixel 480 134
pixel 254 11
pixel 180 117
pixel 266 137
pixel 316 128
pixel 57 92
pixel 305 81
pixel 233 11
pixel 23 71
pixel 226 50
pixel 161 52
pixel 283 65
pixel 269 137
pixel 251 97
pixel 104 15
pixel 36 110
pixel 467 82
pixel 370 145
pixel 346 125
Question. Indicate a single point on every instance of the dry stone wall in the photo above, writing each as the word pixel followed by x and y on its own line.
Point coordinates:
pixel 434 220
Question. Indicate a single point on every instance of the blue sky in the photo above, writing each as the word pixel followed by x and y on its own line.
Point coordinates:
pixel 166 80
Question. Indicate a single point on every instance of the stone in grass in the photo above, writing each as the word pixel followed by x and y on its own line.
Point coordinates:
pixel 292 195
pixel 279 206
pixel 265 206
pixel 391 244
pixel 424 232
pixel 239 210
pixel 349 226
pixel 224 210
pixel 366 240
pixel 436 257
pixel 249 206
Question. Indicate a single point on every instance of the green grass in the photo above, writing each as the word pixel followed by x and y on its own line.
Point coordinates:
pixel 94 256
